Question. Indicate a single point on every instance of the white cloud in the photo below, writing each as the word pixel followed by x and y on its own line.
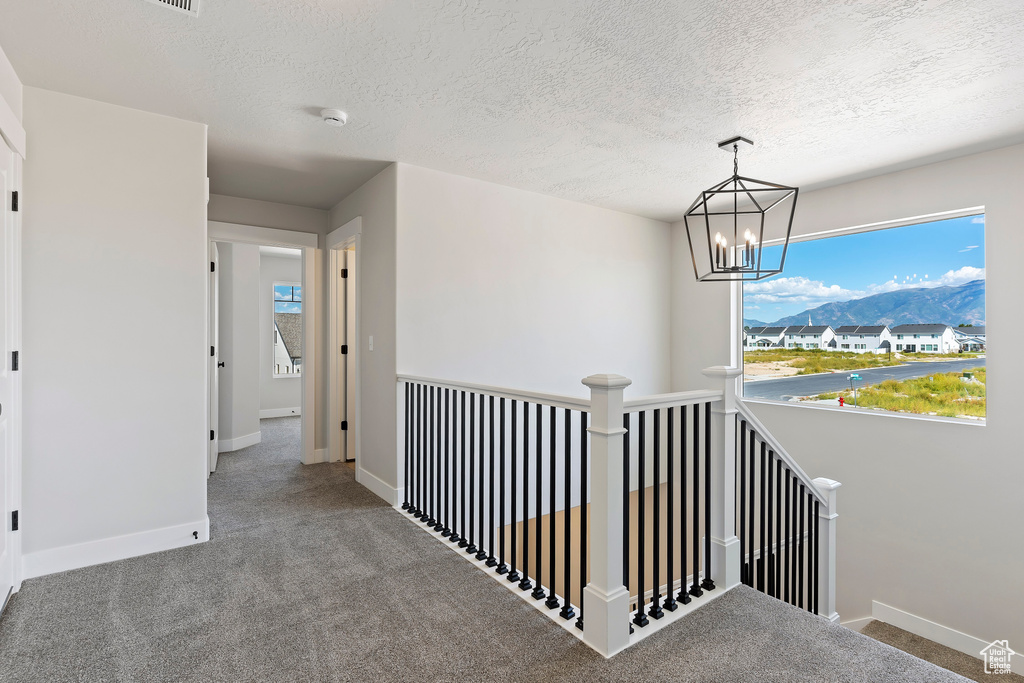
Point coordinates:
pixel 796 289
pixel 978 219
pixel 959 277
pixel 973 246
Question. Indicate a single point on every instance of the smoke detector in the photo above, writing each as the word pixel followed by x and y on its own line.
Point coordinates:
pixel 190 7
pixel 334 117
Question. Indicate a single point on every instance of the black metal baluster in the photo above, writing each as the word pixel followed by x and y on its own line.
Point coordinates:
pixel 641 518
pixel 778 530
pixel 552 601
pixel 471 547
pixel 417 478
pixel 770 561
pixel 481 553
pixel 491 560
pixel 751 483
pixel 567 611
pixel 502 567
pixel 683 596
pixel 670 602
pixel 789 538
pixel 460 537
pixel 421 453
pixel 709 583
pixel 446 522
pixel 525 584
pixel 816 551
pixel 655 610
pixel 793 541
pixel 744 565
pixel 762 570
pixel 800 545
pixel 431 480
pixel 695 590
pixel 584 511
pixel 408 458
pixel 538 590
pixel 438 455
pixel 513 574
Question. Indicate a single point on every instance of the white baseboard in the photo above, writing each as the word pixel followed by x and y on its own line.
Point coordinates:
pixel 319 456
pixel 381 488
pixel 943 635
pixel 228 445
pixel 857 624
pixel 86 554
pixel 280 412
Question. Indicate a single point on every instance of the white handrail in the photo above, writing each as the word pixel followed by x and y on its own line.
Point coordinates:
pixel 776 446
pixel 672 400
pixel 559 401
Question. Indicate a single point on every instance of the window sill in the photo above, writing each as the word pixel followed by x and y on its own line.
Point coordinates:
pixel 869 411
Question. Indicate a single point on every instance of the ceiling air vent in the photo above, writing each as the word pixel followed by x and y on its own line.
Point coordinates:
pixel 186 6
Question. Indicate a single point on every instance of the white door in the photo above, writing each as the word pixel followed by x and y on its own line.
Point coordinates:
pixel 214 355
pixel 9 338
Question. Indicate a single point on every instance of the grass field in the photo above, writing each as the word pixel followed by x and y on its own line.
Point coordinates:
pixel 811 361
pixel 942 394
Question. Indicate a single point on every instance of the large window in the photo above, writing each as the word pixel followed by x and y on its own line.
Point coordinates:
pixel 897 316
pixel 287 357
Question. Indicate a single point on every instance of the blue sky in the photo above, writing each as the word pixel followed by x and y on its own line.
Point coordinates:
pixel 284 298
pixel 949 252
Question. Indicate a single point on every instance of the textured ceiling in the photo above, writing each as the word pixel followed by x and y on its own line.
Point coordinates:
pixel 614 103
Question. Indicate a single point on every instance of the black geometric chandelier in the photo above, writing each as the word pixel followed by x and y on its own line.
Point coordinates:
pixel 737 217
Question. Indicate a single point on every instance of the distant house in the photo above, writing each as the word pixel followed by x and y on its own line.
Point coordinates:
pixel 970 338
pixel 924 339
pixel 864 338
pixel 764 337
pixel 810 337
pixel 287 343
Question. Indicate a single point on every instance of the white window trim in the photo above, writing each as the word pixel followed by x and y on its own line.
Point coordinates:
pixel 737 313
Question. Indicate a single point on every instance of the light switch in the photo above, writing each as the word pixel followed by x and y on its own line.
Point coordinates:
pixel 371 342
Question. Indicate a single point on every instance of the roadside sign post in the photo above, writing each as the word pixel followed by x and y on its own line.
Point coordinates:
pixel 854 378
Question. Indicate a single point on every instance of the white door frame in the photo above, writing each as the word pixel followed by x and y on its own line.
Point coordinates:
pixel 348 235
pixel 14 137
pixel 218 231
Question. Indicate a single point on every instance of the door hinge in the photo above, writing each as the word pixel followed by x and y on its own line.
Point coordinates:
pixel 213 267
pixel 344 348
pixel 344 425
pixel 211 435
pixel 344 272
pixel 14 520
pixel 211 351
pixel 14 201
pixel 14 360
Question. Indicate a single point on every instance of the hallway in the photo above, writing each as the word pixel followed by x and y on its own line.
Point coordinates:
pixel 310 577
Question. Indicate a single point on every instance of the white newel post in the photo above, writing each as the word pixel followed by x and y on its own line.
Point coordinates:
pixel 725 547
pixel 605 598
pixel 827 549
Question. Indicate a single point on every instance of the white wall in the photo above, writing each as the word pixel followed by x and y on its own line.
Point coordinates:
pixel 512 288
pixel 281 392
pixel 933 530
pixel 267 214
pixel 239 314
pixel 375 201
pixel 115 262
pixel 11 90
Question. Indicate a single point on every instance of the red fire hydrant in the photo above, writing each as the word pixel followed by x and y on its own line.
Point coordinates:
pixel 841 401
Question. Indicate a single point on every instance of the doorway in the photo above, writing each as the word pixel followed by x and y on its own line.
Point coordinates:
pixel 344 343
pixel 262 340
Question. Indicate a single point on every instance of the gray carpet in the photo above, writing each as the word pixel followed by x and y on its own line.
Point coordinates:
pixel 309 577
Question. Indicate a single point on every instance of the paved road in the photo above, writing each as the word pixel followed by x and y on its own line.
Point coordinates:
pixel 810 385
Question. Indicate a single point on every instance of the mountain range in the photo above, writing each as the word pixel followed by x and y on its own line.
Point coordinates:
pixel 962 304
